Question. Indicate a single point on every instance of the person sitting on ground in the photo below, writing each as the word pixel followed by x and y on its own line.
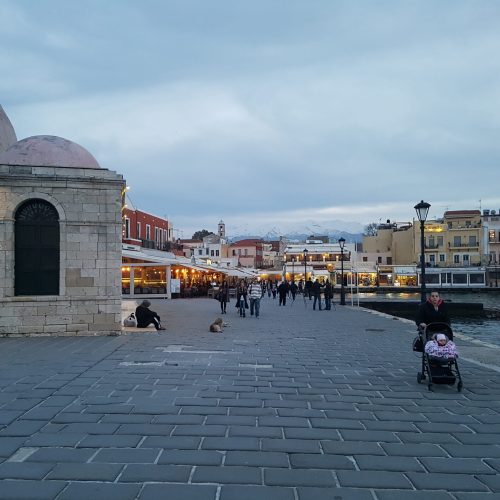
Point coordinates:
pixel 432 311
pixel 145 316
pixel 440 347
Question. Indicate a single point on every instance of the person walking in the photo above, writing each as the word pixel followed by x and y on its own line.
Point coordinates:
pixel 293 290
pixel 434 310
pixel 223 296
pixel 241 298
pixel 255 293
pixel 308 288
pixel 328 295
pixel 316 291
pixel 282 292
pixel 274 290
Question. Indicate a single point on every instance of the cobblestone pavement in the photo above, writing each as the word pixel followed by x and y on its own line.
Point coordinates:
pixel 295 405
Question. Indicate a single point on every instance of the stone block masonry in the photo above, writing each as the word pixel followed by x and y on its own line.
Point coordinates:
pixel 88 202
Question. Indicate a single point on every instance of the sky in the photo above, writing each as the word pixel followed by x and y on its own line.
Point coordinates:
pixel 271 115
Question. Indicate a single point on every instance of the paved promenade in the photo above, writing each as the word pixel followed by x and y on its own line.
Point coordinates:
pixel 295 405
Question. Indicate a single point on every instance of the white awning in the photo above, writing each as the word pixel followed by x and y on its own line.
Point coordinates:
pixel 236 273
pixel 165 261
pixel 133 254
pixel 321 272
pixel 364 267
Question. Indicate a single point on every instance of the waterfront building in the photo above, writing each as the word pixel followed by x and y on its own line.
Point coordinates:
pixel 491 239
pixel 391 253
pixel 321 261
pixel 146 230
pixel 454 251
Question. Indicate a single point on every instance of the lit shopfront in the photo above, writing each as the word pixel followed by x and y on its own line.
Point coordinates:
pixel 156 276
pixel 405 276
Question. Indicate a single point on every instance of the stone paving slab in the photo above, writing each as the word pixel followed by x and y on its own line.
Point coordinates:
pixel 297 405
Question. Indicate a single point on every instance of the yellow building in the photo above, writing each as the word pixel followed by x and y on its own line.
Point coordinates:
pixel 454 251
pixel 454 241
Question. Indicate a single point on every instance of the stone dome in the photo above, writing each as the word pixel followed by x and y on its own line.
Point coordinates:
pixel 47 151
pixel 7 133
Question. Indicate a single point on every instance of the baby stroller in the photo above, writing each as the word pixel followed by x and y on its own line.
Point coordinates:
pixel 436 370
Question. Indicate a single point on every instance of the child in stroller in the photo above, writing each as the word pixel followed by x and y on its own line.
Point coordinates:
pixel 439 355
pixel 440 346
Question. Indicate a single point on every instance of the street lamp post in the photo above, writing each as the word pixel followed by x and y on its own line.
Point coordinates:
pixel 342 291
pixel 305 266
pixel 422 210
pixel 284 267
pixel 293 269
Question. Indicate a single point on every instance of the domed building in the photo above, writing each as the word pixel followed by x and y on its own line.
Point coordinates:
pixel 60 238
pixel 7 133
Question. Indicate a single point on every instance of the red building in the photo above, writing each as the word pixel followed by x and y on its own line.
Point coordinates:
pixel 146 230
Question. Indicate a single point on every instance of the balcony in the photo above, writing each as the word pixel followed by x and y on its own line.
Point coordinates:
pixel 463 245
pixel 464 227
pixel 148 243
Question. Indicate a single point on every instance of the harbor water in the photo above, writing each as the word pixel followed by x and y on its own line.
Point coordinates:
pixel 484 329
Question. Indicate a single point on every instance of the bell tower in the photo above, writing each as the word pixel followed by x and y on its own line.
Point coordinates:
pixel 222 230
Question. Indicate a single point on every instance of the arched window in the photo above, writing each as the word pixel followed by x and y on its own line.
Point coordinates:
pixel 36 249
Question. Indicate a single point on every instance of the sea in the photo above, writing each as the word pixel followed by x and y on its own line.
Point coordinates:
pixel 484 329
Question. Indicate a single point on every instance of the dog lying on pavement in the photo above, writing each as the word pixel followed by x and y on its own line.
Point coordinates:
pixel 216 326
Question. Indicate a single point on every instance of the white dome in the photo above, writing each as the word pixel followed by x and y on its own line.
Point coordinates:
pixel 7 133
pixel 48 151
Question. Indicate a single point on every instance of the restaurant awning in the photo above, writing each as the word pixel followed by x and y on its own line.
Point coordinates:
pixel 144 257
pixel 321 272
pixel 364 267
pixel 235 273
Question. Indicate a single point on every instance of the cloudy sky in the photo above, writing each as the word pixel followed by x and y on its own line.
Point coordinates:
pixel 267 113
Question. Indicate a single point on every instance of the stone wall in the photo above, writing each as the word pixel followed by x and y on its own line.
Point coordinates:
pixel 89 205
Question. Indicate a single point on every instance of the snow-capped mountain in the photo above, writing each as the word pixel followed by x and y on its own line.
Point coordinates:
pixel 351 231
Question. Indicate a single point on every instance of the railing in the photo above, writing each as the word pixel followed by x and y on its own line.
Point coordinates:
pixel 148 243
pixel 463 245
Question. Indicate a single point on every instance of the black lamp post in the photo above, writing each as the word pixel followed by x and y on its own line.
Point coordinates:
pixel 293 269
pixel 342 291
pixel 422 210
pixel 305 266
pixel 284 268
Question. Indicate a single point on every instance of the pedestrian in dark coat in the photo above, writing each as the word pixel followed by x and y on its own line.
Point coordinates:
pixel 316 291
pixel 146 317
pixel 223 296
pixel 308 288
pixel 241 298
pixel 282 292
pixel 328 295
pixel 434 310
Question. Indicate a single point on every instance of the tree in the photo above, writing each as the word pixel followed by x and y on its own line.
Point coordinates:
pixel 371 229
pixel 199 235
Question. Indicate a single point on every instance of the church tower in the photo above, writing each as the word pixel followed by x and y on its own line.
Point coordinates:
pixel 222 230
